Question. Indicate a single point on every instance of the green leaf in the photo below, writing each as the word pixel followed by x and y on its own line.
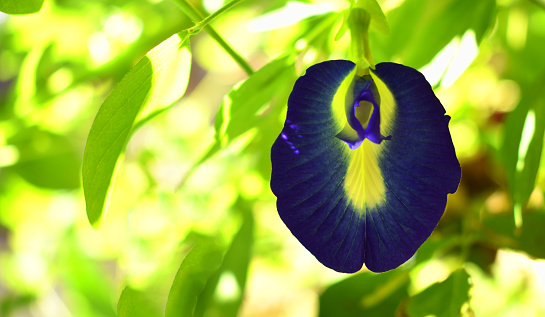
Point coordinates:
pixel 254 103
pixel 378 19
pixel 10 304
pixel 84 280
pixel 365 294
pixel 249 105
pixel 530 238
pixel 158 80
pixel 522 147
pixel 443 299
pixel 224 292
pixel 197 268
pixel 422 28
pixel 211 280
pixel 244 107
pixel 344 26
pixel 46 159
pixel 20 6
pixel 26 80
pixel 525 63
pixel 134 303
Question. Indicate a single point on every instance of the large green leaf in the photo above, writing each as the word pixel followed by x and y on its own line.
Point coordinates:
pixel 46 159
pixel 365 294
pixel 197 268
pixel 502 232
pixel 211 279
pixel 522 147
pixel 422 28
pixel 135 303
pixel 443 299
pixel 224 292
pixel 154 83
pixel 244 107
pixel 21 6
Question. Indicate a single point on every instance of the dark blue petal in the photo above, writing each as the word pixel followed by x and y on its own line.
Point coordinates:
pixel 418 163
pixel 349 194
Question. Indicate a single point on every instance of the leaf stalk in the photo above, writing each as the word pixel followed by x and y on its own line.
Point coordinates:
pixel 202 23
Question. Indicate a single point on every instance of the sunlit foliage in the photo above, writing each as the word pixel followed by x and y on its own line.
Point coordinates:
pixel 183 221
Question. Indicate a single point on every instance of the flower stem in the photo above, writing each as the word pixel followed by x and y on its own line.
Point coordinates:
pixel 195 16
pixel 358 23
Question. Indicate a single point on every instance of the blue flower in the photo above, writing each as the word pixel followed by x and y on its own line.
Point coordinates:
pixel 363 165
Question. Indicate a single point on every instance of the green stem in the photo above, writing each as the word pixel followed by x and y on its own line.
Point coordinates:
pixel 229 50
pixel 358 23
pixel 195 16
pixel 214 15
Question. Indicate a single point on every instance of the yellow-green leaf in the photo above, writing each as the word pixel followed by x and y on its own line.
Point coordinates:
pixel 158 80
pixel 198 267
pixel 135 303
pixel 522 148
pixel 224 292
pixel 243 107
pixel 365 294
pixel 443 299
pixel 21 6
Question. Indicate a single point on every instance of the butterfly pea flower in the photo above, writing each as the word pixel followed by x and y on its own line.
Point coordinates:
pixel 363 165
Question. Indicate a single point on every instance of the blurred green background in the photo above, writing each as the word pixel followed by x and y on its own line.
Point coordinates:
pixel 484 59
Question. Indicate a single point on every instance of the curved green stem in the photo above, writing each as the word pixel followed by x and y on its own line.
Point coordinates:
pixel 202 23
